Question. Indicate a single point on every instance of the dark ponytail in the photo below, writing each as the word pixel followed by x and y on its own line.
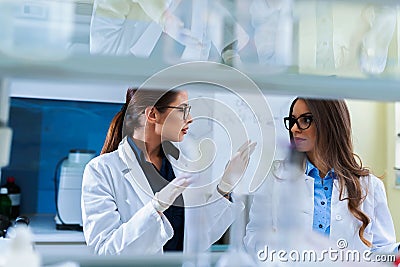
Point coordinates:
pixel 114 133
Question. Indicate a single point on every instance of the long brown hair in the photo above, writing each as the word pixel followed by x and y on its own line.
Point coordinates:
pixel 127 119
pixel 335 147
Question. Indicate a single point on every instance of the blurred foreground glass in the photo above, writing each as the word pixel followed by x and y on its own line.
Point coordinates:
pixel 37 29
pixel 208 31
pixel 244 34
pixel 269 25
pixel 349 39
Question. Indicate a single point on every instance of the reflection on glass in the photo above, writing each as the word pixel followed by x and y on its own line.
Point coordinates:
pixel 128 27
pixel 213 24
pixel 190 30
pixel 346 39
pixel 30 26
pixel 272 22
pixel 375 44
pixel 329 38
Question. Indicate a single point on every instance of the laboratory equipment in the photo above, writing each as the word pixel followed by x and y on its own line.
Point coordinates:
pixel 5 203
pixel 5 147
pixel 5 225
pixel 8 227
pixel 5 132
pixel 68 199
pixel 14 193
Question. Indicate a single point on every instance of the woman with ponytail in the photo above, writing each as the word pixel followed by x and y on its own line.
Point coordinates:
pixel 141 196
pixel 336 196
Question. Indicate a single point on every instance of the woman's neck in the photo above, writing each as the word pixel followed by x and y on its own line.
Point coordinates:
pixel 318 164
pixel 150 144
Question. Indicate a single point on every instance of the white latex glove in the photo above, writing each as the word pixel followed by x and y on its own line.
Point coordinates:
pixel 166 197
pixel 236 167
pixel 174 27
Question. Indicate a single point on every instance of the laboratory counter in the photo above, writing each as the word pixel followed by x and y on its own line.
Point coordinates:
pixel 57 246
pixel 44 232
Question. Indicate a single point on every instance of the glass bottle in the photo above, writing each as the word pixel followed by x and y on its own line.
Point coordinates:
pixel 14 193
pixel 5 203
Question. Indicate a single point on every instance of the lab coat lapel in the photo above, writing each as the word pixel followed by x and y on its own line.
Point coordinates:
pixel 134 173
pixel 310 187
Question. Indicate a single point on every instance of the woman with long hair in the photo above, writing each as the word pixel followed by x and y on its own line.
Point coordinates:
pixel 137 196
pixel 335 195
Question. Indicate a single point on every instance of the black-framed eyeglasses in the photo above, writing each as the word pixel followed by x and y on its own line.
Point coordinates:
pixel 303 122
pixel 185 109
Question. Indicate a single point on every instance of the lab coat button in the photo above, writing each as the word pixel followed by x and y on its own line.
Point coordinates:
pixel 338 217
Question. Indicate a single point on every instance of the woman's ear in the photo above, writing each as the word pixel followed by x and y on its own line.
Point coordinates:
pixel 151 114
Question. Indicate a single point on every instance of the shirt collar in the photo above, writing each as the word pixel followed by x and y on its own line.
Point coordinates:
pixel 310 168
pixel 138 152
pixel 168 149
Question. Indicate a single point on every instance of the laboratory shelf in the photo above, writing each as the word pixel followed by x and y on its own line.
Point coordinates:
pixel 96 69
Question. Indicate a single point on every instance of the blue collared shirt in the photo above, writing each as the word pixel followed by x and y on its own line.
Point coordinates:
pixel 322 198
pixel 158 180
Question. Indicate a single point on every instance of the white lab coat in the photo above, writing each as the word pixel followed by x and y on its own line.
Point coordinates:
pixel 281 203
pixel 118 216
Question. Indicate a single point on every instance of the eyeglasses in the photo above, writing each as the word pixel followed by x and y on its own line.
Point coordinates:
pixel 185 109
pixel 303 122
